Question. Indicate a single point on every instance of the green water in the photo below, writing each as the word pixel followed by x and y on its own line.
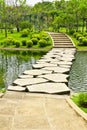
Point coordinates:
pixel 14 63
pixel 78 73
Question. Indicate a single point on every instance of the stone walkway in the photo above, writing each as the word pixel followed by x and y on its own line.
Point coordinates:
pixel 24 111
pixel 49 75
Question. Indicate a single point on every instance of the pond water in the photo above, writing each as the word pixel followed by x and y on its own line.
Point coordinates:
pixel 14 63
pixel 78 73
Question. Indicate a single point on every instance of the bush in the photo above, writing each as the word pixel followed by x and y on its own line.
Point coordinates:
pixel 74 34
pixel 78 35
pixel 29 43
pixel 25 25
pixel 17 43
pixel 36 36
pixel 23 42
pixel 84 41
pixel 71 32
pixel 24 33
pixel 42 43
pixel 35 41
pixel 82 99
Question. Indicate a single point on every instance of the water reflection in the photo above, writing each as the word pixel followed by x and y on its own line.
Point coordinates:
pixel 13 63
pixel 78 73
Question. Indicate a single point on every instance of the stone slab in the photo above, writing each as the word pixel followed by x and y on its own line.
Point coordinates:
pixel 37 72
pixel 16 88
pixel 57 69
pixel 64 63
pixel 25 82
pixel 51 88
pixel 25 76
pixel 56 77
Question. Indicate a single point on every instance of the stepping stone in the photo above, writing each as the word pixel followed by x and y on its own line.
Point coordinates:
pixel 37 72
pixel 37 66
pixel 58 78
pixel 51 88
pixel 64 63
pixel 16 88
pixel 25 76
pixel 65 66
pixel 57 69
pixel 25 82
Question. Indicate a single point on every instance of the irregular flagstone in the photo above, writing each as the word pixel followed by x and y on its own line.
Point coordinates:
pixel 51 88
pixel 16 88
pixel 25 76
pixel 57 77
pixel 57 69
pixel 37 66
pixel 65 66
pixel 25 82
pixel 37 72
pixel 64 63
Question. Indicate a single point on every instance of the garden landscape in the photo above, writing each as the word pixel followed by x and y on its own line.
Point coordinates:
pixel 43 69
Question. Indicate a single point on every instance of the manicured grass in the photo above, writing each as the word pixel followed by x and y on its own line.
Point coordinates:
pixel 75 99
pixel 80 48
pixel 17 37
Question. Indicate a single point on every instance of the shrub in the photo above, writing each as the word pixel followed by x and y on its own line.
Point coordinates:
pixel 35 41
pixel 78 35
pixel 42 43
pixel 23 42
pixel 17 43
pixel 36 36
pixel 84 41
pixel 82 99
pixel 25 25
pixel 24 33
pixel 29 43
pixel 71 32
pixel 74 34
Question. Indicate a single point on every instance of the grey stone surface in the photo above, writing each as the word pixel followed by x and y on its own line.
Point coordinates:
pixel 25 82
pixel 24 76
pixel 16 88
pixel 64 63
pixel 37 72
pixel 57 69
pixel 53 88
pixel 56 77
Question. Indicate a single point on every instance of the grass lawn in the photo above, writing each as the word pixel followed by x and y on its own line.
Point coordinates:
pixel 17 37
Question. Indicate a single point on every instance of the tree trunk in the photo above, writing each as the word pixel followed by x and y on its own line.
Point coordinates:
pixel 83 25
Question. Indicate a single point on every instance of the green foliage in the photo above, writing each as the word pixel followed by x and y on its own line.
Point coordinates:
pixel 42 43
pixel 23 42
pixel 24 33
pixel 82 99
pixel 36 36
pixel 84 41
pixel 17 44
pixel 29 43
pixel 35 41
pixel 25 25
pixel 71 32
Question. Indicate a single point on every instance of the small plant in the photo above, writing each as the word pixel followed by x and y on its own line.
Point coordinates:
pixel 84 41
pixel 71 32
pixel 82 99
pixel 42 43
pixel 24 33
pixel 29 43
pixel 17 43
pixel 35 41
pixel 23 42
